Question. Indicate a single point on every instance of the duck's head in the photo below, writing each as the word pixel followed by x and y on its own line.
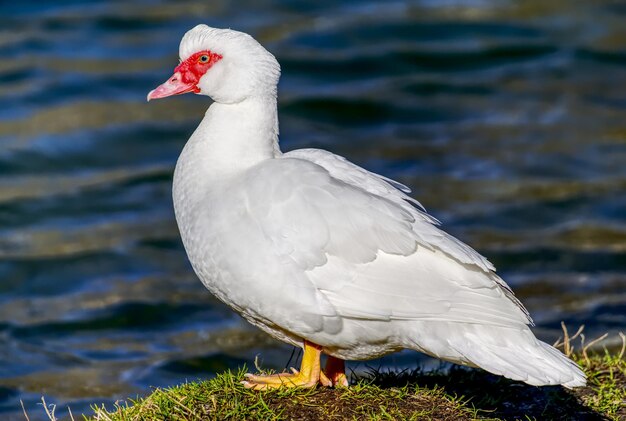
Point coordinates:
pixel 229 66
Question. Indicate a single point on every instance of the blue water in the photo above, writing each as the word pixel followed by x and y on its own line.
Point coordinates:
pixel 507 119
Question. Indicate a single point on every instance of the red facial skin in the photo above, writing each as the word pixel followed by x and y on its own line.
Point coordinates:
pixel 186 75
pixel 192 69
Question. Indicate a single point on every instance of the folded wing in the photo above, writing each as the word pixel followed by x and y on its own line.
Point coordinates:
pixel 369 248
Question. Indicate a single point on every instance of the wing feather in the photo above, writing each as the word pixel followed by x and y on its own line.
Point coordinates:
pixel 371 250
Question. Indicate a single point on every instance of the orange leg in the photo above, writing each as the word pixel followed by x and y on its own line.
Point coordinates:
pixel 335 371
pixel 310 373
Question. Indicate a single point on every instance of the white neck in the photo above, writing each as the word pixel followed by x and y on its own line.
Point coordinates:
pixel 230 139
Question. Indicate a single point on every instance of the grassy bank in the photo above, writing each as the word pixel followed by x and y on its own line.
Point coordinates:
pixel 459 394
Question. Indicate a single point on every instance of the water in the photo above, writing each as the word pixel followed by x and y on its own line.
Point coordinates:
pixel 506 118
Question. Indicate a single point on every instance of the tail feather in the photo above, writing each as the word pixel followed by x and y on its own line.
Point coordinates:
pixel 512 352
pixel 519 355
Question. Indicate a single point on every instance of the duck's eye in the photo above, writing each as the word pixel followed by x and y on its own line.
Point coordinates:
pixel 204 58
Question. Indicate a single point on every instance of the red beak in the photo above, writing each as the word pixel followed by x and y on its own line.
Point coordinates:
pixel 173 86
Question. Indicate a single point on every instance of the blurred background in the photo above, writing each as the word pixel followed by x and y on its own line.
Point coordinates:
pixel 506 118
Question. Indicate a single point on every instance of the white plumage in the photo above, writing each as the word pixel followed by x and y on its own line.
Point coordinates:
pixel 308 246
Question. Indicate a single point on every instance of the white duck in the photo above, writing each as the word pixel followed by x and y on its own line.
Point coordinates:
pixel 323 254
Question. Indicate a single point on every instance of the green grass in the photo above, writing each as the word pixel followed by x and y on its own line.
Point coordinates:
pixel 456 394
pixel 607 383
pixel 223 398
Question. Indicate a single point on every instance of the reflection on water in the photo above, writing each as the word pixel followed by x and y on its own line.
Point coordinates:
pixel 506 119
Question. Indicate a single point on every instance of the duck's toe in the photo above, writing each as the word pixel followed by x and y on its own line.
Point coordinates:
pixel 309 375
pixel 275 381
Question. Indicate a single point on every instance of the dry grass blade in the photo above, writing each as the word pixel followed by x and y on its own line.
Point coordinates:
pixel 24 409
pixel 49 413
pixel 589 345
pixel 101 414
pixel 566 342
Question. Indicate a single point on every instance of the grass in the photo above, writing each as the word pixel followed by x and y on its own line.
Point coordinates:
pixel 223 398
pixel 456 394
